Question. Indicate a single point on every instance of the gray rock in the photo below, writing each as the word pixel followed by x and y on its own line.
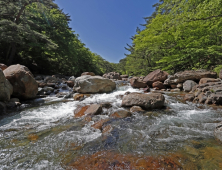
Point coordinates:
pixel 94 84
pixel 218 132
pixel 181 77
pixel 188 85
pixel 6 88
pixel 146 101
pixel 2 108
pixel 94 109
pixel 22 80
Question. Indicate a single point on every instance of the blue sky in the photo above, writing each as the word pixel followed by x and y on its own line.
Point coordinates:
pixel 106 26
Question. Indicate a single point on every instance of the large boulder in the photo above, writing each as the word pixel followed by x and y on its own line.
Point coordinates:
pixel 188 85
pixel 22 80
pixel 94 84
pixel 146 101
pixel 181 77
pixel 136 83
pixel 6 88
pixel 154 76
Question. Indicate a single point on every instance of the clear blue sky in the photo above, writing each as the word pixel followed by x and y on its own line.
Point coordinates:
pixel 106 26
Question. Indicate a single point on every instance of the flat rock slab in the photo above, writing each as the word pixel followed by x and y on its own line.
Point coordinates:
pixel 146 101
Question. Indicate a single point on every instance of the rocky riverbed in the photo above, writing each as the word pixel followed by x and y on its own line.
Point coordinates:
pixel 92 122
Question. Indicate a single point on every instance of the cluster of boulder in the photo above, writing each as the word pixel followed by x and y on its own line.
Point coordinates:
pixel 18 82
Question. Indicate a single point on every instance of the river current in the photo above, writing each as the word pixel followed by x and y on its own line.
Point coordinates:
pixel 45 135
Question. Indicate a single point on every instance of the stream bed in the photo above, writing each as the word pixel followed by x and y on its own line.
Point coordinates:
pixel 47 136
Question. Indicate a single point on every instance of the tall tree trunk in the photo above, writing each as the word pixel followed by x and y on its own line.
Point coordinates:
pixel 12 54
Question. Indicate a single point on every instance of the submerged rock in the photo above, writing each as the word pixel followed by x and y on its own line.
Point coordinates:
pixel 146 101
pixel 22 80
pixel 99 124
pixel 94 84
pixel 121 114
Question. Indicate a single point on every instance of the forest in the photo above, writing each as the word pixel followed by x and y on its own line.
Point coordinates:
pixel 36 34
pixel 179 35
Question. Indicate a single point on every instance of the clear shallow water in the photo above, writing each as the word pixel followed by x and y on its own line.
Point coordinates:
pixel 49 137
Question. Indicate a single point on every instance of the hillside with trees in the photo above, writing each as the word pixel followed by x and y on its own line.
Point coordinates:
pixel 180 35
pixel 37 34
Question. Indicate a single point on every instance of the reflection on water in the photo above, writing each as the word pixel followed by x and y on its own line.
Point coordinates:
pixel 49 137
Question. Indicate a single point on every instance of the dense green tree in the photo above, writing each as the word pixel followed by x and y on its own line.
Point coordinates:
pixel 36 33
pixel 179 35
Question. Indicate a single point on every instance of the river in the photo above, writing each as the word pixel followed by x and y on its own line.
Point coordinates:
pixel 45 135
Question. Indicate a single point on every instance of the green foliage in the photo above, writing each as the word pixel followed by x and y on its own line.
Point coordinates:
pixel 179 35
pixel 36 34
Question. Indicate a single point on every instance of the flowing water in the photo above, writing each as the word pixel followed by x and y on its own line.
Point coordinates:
pixel 45 135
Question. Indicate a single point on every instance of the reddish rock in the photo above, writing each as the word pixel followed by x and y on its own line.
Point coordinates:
pixel 79 112
pixel 173 86
pixel 158 85
pixel 99 124
pixel 3 66
pixel 154 76
pixel 94 109
pixel 70 84
pixel 88 73
pixel 208 80
pixel 136 83
pixel 107 129
pixel 78 96
pixel 121 114
pixel 22 80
